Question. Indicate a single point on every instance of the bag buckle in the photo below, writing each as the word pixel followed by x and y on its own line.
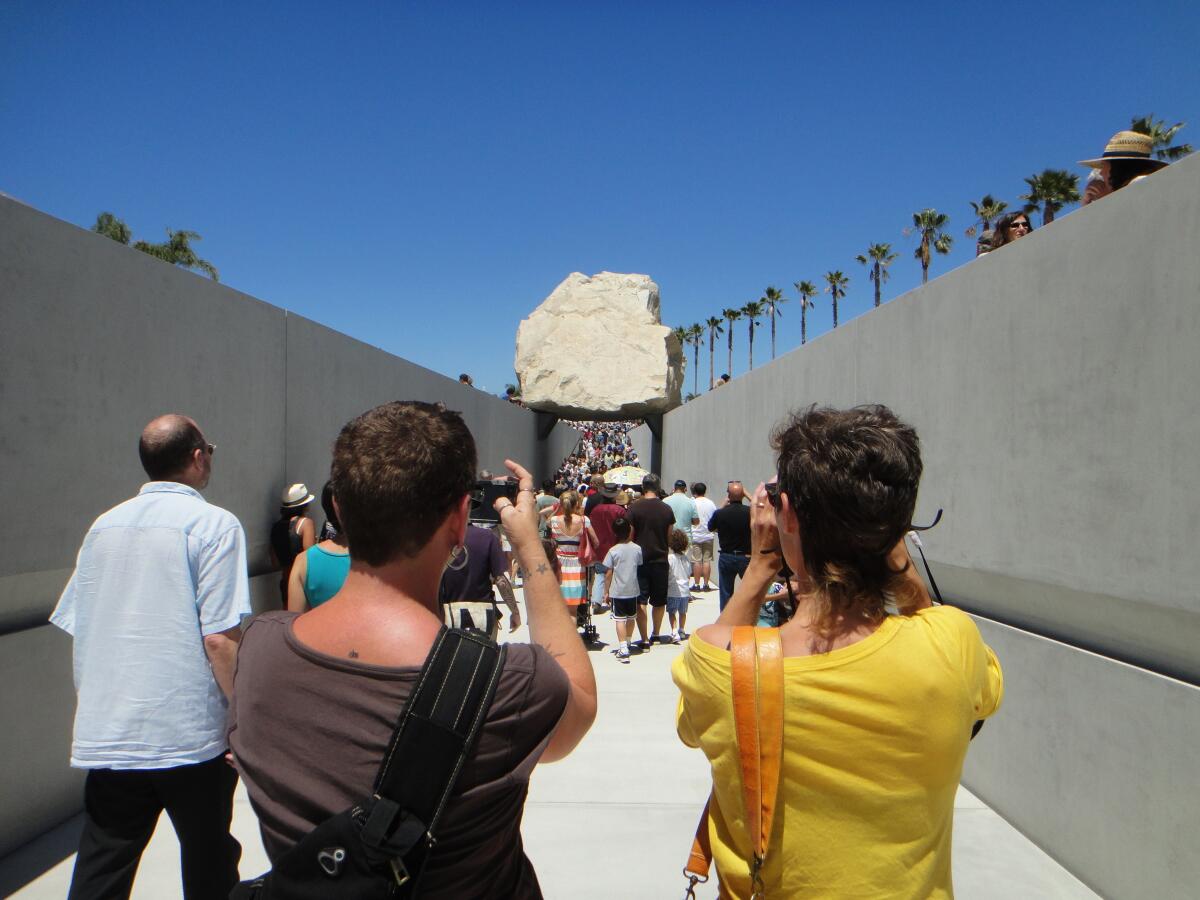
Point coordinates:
pixel 693 880
pixel 399 871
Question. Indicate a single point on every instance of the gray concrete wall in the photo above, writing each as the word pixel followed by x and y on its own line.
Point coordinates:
pixel 1054 385
pixel 96 340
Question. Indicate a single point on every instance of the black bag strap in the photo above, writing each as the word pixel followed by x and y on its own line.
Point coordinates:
pixel 436 732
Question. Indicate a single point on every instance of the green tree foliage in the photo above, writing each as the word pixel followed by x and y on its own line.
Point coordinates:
pixel 176 249
pixel 731 315
pixel 1162 135
pixel 714 328
pixel 111 227
pixel 931 225
pixel 807 290
pixel 837 288
pixel 1051 191
pixel 986 210
pixel 878 257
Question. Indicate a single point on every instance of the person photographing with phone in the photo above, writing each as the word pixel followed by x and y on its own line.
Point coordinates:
pixel 862 718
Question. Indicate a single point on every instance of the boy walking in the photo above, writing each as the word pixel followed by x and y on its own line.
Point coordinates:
pixel 679 586
pixel 621 584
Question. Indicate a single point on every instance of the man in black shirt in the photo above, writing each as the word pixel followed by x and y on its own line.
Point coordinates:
pixel 652 522
pixel 732 526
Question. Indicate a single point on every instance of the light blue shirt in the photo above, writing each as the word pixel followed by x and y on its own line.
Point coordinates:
pixel 153 577
pixel 684 508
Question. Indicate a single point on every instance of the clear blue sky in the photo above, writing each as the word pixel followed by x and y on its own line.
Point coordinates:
pixel 421 175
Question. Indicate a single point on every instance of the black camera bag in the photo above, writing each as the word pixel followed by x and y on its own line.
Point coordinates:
pixel 378 848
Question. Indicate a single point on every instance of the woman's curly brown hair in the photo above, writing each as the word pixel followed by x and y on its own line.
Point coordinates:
pixel 851 478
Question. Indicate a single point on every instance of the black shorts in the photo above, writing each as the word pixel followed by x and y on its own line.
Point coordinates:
pixel 624 607
pixel 653 578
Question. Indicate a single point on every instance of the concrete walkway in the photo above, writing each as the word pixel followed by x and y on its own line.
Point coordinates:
pixel 615 818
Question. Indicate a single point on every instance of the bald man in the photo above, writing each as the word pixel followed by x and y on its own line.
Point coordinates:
pixel 731 524
pixel 155 607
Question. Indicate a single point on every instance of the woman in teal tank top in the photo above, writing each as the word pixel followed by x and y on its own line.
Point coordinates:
pixel 318 572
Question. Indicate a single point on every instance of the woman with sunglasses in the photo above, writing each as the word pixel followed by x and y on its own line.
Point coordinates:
pixel 880 687
pixel 1010 227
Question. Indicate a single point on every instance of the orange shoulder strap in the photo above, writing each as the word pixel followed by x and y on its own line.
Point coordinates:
pixel 757 676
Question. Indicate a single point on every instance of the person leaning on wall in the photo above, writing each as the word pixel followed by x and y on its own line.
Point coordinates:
pixel 1127 158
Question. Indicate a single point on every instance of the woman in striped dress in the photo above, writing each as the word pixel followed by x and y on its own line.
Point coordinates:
pixel 567 528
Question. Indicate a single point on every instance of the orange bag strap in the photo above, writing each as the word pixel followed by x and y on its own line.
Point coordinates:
pixel 757 675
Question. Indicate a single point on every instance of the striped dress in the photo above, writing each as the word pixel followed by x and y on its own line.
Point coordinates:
pixel 574 578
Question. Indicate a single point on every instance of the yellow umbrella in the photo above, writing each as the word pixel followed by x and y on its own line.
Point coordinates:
pixel 625 476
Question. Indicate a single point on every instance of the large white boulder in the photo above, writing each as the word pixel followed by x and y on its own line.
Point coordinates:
pixel 596 348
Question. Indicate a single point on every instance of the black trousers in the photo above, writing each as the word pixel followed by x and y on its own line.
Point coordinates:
pixel 122 808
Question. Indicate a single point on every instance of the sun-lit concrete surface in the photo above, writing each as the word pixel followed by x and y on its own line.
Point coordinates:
pixel 616 818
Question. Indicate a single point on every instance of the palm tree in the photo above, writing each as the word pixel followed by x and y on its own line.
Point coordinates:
pixel 837 287
pixel 111 227
pixel 986 210
pixel 931 224
pixel 773 298
pixel 695 337
pixel 751 312
pixel 178 251
pixel 714 328
pixel 731 315
pixel 1052 189
pixel 807 290
pixel 1162 136
pixel 878 257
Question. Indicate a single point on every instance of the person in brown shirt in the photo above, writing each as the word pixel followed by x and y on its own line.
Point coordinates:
pixel 316 695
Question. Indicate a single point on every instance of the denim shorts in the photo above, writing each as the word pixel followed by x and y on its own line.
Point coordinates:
pixel 677 604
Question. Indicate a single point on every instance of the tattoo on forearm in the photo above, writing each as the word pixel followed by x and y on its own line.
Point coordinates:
pixel 353 654
pixel 543 568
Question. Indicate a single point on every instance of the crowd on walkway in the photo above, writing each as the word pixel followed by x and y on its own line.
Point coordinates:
pixel 181 692
pixel 602 446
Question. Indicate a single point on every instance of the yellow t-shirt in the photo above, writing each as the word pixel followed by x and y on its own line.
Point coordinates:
pixel 874 736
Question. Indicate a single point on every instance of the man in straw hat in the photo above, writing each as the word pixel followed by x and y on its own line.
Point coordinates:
pixel 1126 158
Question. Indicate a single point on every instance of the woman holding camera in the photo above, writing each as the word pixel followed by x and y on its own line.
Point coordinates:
pixel 877 709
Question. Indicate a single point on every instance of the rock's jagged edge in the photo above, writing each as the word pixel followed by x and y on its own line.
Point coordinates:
pixel 595 348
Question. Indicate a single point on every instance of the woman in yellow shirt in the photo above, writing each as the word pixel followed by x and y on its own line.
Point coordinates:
pixel 878 708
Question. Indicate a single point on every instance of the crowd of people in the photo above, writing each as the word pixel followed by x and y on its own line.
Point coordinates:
pixel 180 692
pixel 602 446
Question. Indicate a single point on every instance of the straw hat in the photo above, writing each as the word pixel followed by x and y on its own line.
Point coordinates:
pixel 295 495
pixel 1126 145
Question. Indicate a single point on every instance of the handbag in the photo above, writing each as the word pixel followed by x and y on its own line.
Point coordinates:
pixel 757 676
pixel 587 553
pixel 378 848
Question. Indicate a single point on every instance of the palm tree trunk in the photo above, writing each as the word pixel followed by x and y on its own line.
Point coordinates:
pixel 834 292
pixel 752 346
pixel 1047 213
pixel 696 367
pixel 730 372
pixel 803 320
pixel 878 280
pixel 712 336
pixel 772 334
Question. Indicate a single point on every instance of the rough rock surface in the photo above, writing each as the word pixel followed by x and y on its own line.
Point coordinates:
pixel 596 348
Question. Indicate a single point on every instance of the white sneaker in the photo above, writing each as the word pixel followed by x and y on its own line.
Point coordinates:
pixel 675 637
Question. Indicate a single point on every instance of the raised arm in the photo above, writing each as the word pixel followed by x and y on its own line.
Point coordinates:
pixel 549 623
pixel 765 561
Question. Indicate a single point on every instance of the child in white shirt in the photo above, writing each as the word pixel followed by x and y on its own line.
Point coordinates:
pixel 678 584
